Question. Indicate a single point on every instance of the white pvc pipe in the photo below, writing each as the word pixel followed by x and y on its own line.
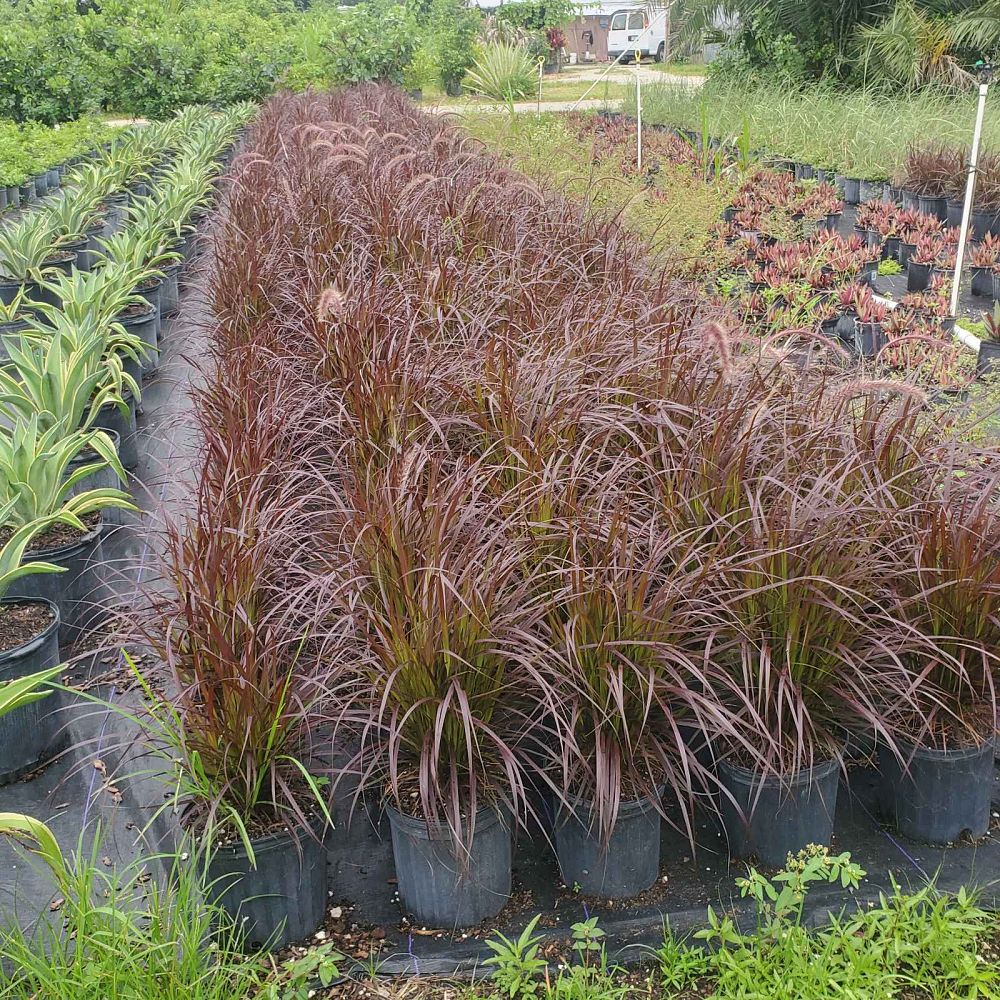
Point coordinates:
pixel 970 190
pixel 638 115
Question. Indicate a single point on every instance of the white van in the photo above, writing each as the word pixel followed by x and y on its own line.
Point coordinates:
pixel 637 28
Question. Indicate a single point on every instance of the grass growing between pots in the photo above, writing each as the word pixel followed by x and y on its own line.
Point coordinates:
pixel 120 933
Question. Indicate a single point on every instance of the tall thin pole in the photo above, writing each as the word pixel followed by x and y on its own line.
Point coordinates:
pixel 970 190
pixel 638 112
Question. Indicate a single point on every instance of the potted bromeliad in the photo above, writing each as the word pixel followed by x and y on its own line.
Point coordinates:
pixel 938 780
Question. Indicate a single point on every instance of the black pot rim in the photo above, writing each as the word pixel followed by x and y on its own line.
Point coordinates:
pixel 911 750
pixel 272 841
pixel 486 818
pixel 138 318
pixel 753 778
pixel 47 555
pixel 26 648
pixel 582 809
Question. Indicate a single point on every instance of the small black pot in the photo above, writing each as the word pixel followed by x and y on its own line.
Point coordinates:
pixel 773 817
pixel 982 281
pixel 936 796
pixel 13 196
pixel 909 200
pixel 440 890
pixel 631 862
pixel 984 222
pixel 27 192
pixel 890 248
pixel 280 899
pixel 81 248
pixel 170 293
pixel 729 213
pixel 41 182
pixel 988 359
pixel 833 221
pixel 110 418
pixel 869 339
pixel 905 253
pixel 79 592
pixel 29 734
pixel 114 212
pixel 3 199
pixel 845 325
pixel 935 205
pixel 953 212
pixel 10 288
pixel 850 188
pixel 870 190
pixel 54 178
pixel 918 276
pixel 804 172
pixel 144 326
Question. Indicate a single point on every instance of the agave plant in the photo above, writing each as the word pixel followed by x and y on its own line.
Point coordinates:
pixel 26 248
pixel 64 376
pixel 12 568
pixel 35 477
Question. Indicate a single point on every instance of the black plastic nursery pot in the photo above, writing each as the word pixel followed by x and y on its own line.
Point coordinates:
pixel 918 276
pixel 13 196
pixel 54 178
pixel 28 735
pixel 804 172
pixel 62 262
pixel 279 898
pixel 938 796
pixel 78 592
pixel 890 248
pixel 982 281
pixel 27 192
pixel 10 288
pixel 144 325
pixel 906 251
pixel 628 864
pixel 111 418
pixel 152 292
pixel 935 205
pixel 443 886
pixel 851 187
pixel 909 201
pixel 41 182
pixel 114 212
pixel 3 198
pixel 985 223
pixel 870 190
pixel 988 358
pixel 869 339
pixel 81 248
pixel 170 292
pixel 953 212
pixel 771 817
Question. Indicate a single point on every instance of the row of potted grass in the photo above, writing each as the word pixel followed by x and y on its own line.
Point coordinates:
pixel 84 283
pixel 34 157
pixel 498 524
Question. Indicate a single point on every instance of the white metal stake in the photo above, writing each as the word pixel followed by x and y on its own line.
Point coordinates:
pixel 638 112
pixel 970 190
